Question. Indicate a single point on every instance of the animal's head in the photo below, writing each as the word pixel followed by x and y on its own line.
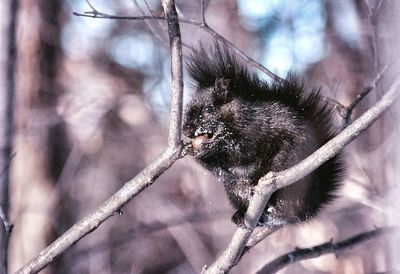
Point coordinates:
pixel 206 119
pixel 220 82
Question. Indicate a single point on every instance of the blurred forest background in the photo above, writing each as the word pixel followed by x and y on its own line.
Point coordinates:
pixel 91 109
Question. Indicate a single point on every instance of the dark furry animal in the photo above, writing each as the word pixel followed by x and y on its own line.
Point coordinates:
pixel 242 127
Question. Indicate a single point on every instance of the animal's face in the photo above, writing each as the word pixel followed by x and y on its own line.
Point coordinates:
pixel 205 122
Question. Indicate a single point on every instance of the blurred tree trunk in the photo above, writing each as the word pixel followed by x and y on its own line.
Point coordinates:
pixel 387 31
pixel 7 124
pixel 40 143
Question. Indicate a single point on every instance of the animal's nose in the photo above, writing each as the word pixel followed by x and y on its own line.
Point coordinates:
pixel 186 140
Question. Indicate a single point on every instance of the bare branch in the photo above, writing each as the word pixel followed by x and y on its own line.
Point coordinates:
pixel 248 59
pixel 95 14
pixel 174 138
pixel 94 10
pixel 138 7
pixel 344 112
pixel 349 110
pixel 203 25
pixel 300 254
pixel 157 28
pixel 143 179
pixel 257 237
pixel 92 7
pixel 105 211
pixel 276 180
pixel 203 15
pixel 149 9
pixel 263 233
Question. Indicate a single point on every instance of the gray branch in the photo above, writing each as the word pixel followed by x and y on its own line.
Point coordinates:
pixel 349 110
pixel 300 254
pixel 174 138
pixel 277 180
pixel 143 179
pixel 203 25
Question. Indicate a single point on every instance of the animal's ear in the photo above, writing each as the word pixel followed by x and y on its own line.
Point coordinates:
pixel 221 88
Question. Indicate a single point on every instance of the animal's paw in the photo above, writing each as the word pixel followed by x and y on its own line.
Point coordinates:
pixel 238 219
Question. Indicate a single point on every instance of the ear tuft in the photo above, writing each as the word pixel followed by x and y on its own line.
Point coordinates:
pixel 207 65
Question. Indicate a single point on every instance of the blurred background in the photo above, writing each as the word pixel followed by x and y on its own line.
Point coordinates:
pixel 91 111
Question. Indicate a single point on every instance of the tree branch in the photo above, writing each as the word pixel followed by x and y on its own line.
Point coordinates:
pixel 345 112
pixel 203 13
pixel 263 233
pixel 300 254
pixel 349 110
pixel 105 211
pixel 143 179
pixel 174 138
pixel 96 14
pixel 277 180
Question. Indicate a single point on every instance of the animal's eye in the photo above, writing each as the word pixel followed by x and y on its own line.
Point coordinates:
pixel 208 109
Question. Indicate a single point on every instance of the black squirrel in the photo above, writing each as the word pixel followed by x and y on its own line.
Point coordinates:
pixel 242 127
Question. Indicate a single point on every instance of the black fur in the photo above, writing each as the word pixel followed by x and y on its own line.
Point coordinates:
pixel 242 127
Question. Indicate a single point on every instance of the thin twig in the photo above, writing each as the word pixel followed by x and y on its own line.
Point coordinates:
pixel 149 9
pixel 247 58
pixel 203 14
pixel 257 237
pixel 174 137
pixel 157 29
pixel 300 254
pixel 260 235
pixel 374 13
pixel 277 180
pixel 144 178
pixel 97 15
pixel 205 27
pixel 138 7
pixel 94 11
pixel 92 7
pixel 349 110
